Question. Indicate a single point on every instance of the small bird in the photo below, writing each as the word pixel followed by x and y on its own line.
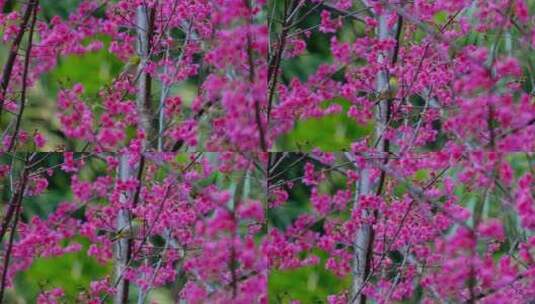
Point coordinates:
pixel 128 231
pixel 388 94
pixel 122 233
pixel 131 66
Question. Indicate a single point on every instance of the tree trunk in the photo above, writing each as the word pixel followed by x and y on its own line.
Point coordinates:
pixel 122 244
pixel 144 19
pixel 361 244
pixel 363 241
pixel 144 26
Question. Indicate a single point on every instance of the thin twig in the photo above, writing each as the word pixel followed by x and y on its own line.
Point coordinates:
pixel 10 63
pixel 24 80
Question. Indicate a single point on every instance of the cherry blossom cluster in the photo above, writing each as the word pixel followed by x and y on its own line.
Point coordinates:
pixel 455 72
pixel 438 236
pixel 217 46
pixel 183 227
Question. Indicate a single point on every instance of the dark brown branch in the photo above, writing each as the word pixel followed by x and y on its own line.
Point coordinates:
pixel 344 13
pixel 24 81
pixel 250 59
pixel 491 291
pixel 13 212
pixel 180 143
pixel 258 117
pixel 13 203
pixel 490 123
pixel 234 276
pixel 233 262
pixel 275 62
pixel 399 28
pixel 7 256
pixel 517 129
pixel 10 63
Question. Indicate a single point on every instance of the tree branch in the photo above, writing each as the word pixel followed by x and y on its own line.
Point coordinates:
pixel 10 63
pixel 12 214
pixel 24 80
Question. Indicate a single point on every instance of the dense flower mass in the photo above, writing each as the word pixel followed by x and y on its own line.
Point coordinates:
pixel 282 151
pixel 180 225
pixel 439 225
pixel 218 45
pixel 441 90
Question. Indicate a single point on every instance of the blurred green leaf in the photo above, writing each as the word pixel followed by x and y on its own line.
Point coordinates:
pixel 334 132
pixel 311 284
pixel 72 272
